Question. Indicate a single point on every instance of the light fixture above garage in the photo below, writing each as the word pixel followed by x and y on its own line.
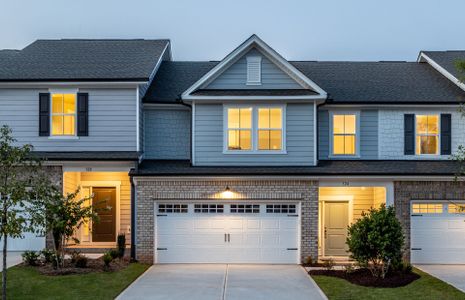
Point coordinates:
pixel 227 193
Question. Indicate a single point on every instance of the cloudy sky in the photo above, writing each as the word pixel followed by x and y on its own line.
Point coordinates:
pixel 209 29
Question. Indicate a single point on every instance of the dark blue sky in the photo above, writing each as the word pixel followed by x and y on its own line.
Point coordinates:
pixel 209 29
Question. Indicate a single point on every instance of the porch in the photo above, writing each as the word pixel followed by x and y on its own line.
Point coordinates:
pixel 340 206
pixel 112 197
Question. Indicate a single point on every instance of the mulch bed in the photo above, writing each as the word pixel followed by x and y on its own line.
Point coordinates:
pixel 363 277
pixel 93 266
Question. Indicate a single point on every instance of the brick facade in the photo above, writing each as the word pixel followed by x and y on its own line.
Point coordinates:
pixel 406 191
pixel 148 191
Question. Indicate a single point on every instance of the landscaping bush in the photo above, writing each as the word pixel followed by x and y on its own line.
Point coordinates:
pixel 107 258
pixel 80 261
pixel 376 240
pixel 114 253
pixel 74 256
pixel 31 257
pixel 121 244
pixel 329 264
pixel 47 255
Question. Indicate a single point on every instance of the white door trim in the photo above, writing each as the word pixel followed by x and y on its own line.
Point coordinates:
pixel 336 198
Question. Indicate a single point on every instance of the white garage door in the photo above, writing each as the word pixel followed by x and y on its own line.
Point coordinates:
pixel 437 233
pixel 227 233
pixel 29 242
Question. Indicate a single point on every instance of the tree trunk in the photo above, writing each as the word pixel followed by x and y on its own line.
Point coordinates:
pixel 4 267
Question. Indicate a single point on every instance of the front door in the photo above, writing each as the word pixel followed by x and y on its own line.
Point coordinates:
pixel 335 228
pixel 104 202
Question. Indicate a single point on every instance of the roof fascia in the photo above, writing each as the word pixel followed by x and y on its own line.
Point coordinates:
pixel 239 98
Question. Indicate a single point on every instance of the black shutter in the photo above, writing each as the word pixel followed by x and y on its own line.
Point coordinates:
pixel 446 134
pixel 409 134
pixel 83 114
pixel 44 114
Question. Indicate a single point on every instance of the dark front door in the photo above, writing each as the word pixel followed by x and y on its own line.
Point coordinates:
pixel 104 202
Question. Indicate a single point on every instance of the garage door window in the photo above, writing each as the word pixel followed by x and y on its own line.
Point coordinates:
pixel 427 208
pixel 245 208
pixel 280 209
pixel 456 209
pixel 208 208
pixel 172 208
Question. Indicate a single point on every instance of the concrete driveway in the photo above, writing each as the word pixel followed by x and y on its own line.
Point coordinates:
pixel 452 274
pixel 219 282
pixel 12 258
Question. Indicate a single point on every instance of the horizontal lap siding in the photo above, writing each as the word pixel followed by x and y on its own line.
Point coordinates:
pixel 235 77
pixel 209 139
pixel 363 198
pixel 167 134
pixel 112 120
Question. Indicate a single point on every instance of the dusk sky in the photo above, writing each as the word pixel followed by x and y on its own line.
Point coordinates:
pixel 210 29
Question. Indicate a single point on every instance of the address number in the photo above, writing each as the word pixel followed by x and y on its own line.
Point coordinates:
pixel 88 169
pixel 345 183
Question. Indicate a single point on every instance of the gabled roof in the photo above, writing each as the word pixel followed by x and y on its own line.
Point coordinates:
pixel 82 60
pixel 254 42
pixel 345 82
pixel 445 63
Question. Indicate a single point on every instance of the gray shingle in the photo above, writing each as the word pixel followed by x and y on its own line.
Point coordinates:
pixel 447 60
pixel 86 60
pixel 89 155
pixel 345 82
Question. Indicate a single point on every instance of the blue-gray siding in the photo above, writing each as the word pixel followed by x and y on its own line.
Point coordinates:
pixel 368 134
pixel 167 133
pixel 209 139
pixel 235 77
pixel 112 120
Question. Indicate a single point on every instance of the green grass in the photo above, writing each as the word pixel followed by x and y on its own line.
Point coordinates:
pixel 26 283
pixel 427 287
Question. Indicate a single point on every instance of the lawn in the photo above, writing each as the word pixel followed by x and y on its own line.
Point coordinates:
pixel 427 287
pixel 27 283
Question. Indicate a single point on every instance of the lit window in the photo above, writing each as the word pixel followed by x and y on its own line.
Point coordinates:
pixel 63 114
pixel 427 208
pixel 239 128
pixel 456 209
pixel 427 134
pixel 344 134
pixel 270 129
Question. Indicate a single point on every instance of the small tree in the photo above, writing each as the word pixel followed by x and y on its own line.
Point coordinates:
pixel 376 240
pixel 61 216
pixel 17 171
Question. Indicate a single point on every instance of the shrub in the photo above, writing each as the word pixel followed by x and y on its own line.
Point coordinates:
pixel 74 256
pixel 349 268
pixel 309 260
pixel 31 257
pixel 376 240
pixel 329 264
pixel 80 261
pixel 107 258
pixel 47 255
pixel 403 266
pixel 114 253
pixel 121 244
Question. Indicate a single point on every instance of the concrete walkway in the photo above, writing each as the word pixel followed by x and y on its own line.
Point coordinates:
pixel 220 282
pixel 452 274
pixel 12 258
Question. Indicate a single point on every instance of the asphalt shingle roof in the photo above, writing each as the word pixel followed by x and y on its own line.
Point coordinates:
pixel 88 155
pixel 325 167
pixel 345 82
pixel 447 60
pixel 83 60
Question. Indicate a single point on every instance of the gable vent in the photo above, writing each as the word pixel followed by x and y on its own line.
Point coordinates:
pixel 254 70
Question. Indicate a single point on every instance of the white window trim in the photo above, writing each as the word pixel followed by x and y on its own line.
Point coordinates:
pixel 254 129
pixel 255 59
pixel 357 134
pixel 64 137
pixel 438 154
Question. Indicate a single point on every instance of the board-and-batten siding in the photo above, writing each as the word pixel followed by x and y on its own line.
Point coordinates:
pixel 368 134
pixel 167 133
pixel 112 120
pixel 209 139
pixel 235 77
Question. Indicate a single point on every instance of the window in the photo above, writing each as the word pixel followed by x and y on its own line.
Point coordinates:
pixel 427 208
pixel 254 70
pixel 208 208
pixel 456 209
pixel 172 208
pixel 344 134
pixel 63 114
pixel 270 129
pixel 239 128
pixel 280 209
pixel 254 129
pixel 427 134
pixel 245 208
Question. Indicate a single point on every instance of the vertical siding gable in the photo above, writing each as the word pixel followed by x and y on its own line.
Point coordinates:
pixel 235 77
pixel 323 134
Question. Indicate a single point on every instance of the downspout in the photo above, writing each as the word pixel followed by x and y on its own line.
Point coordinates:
pixel 133 211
